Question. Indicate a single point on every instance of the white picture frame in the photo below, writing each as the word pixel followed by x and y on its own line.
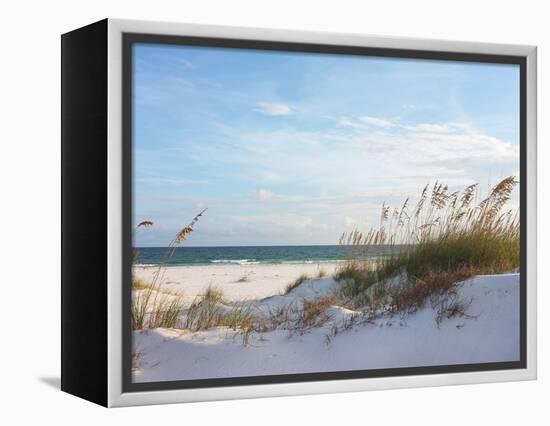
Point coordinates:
pixel 114 340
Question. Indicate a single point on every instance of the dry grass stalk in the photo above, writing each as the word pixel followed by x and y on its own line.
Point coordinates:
pixel 211 310
pixel 413 295
pixel 296 283
pixel 180 236
pixel 183 233
pixel 152 309
pixel 144 224
pixel 446 238
pixel 314 313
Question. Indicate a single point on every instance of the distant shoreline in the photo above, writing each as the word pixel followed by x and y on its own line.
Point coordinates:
pixel 238 263
pixel 238 282
pixel 248 255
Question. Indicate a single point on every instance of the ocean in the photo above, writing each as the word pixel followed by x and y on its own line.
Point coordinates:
pixel 249 255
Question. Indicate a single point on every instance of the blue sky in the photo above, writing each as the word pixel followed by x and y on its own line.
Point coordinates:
pixel 294 148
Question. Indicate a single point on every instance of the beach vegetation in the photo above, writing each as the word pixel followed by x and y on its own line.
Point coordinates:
pixel 444 239
pixel 211 310
pixel 297 282
pixel 143 224
pixel 321 273
pixel 139 284
pixel 314 313
pixel 151 308
pixel 180 237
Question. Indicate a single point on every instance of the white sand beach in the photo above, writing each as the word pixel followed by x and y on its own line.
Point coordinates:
pixel 238 282
pixel 487 332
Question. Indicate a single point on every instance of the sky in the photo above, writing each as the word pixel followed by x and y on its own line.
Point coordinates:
pixel 296 148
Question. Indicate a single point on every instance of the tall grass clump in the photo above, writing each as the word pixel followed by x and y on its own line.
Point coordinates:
pixel 210 310
pixel 297 282
pixel 151 308
pixel 314 313
pixel 445 237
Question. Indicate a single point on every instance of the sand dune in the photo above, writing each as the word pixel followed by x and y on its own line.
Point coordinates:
pixel 489 333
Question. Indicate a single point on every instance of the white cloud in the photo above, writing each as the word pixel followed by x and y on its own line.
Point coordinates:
pixel 366 121
pixel 450 127
pixel 364 159
pixel 348 123
pixel 375 121
pixel 264 195
pixel 338 177
pixel 431 127
pixel 273 108
pixel 467 147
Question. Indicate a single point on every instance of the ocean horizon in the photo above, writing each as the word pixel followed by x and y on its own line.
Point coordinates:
pixel 250 255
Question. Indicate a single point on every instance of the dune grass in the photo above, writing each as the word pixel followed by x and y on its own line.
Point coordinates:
pixel 314 313
pixel 139 284
pixel 296 283
pixel 151 308
pixel 321 273
pixel 211 310
pixel 444 239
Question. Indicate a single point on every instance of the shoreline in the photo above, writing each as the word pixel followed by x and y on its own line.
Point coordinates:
pixel 240 263
pixel 237 281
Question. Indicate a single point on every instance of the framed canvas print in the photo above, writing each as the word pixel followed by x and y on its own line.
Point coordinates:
pixel 251 212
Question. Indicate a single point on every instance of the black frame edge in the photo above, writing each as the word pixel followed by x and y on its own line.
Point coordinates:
pixel 84 212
